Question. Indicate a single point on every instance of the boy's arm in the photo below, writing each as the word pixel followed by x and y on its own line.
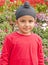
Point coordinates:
pixel 6 51
pixel 40 53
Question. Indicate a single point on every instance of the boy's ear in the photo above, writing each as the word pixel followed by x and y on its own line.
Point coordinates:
pixel 16 23
pixel 35 19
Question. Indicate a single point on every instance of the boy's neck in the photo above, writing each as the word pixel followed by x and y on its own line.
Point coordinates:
pixel 24 33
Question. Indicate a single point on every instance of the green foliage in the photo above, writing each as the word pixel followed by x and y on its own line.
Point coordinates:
pixel 12 8
pixel 2 35
pixel 7 15
pixel 41 8
pixel 43 34
pixel 2 18
pixel 38 30
pixel 6 25
pixel 46 63
pixel 6 29
pixel 45 42
pixel 1 8
pixel 13 17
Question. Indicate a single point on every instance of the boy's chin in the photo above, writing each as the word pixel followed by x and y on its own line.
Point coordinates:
pixel 26 33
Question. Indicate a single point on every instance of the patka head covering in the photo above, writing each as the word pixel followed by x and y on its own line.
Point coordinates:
pixel 25 9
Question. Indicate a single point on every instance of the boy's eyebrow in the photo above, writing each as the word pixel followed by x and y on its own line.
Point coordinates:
pixel 27 20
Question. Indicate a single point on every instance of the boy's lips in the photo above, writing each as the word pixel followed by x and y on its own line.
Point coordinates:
pixel 27 28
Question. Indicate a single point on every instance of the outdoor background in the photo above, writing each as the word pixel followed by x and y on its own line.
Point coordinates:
pixel 7 20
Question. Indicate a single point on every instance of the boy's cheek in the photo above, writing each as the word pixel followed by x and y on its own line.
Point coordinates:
pixel 33 24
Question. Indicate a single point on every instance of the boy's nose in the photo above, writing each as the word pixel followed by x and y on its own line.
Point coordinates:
pixel 27 24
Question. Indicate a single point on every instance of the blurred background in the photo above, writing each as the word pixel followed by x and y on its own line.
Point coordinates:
pixel 7 20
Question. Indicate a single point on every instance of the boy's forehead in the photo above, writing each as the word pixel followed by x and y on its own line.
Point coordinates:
pixel 26 17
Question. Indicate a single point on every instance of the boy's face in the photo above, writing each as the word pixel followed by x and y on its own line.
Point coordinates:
pixel 25 24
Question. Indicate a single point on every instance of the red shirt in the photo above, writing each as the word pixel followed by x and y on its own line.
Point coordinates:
pixel 19 49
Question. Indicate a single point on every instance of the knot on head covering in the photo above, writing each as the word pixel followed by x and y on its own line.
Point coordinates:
pixel 25 9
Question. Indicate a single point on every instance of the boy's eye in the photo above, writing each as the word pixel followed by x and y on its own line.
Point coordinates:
pixel 30 21
pixel 23 21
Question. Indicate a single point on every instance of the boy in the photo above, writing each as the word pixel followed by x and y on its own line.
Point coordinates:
pixel 23 47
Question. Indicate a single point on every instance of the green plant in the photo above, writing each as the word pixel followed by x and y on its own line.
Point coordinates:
pixel 38 30
pixel 41 7
pixel 45 42
pixel 2 35
pixel 2 18
pixel 1 9
pixel 43 34
pixel 5 26
pixel 46 63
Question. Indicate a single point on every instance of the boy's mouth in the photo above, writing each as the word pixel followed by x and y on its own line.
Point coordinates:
pixel 27 28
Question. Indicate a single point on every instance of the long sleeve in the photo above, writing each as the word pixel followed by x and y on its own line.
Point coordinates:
pixel 6 51
pixel 40 53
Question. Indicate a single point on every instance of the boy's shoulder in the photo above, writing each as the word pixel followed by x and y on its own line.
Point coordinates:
pixel 11 35
pixel 37 37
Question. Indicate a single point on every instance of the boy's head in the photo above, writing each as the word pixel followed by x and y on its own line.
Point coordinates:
pixel 25 18
pixel 25 9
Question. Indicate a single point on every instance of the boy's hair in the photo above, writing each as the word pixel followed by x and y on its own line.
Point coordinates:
pixel 25 9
